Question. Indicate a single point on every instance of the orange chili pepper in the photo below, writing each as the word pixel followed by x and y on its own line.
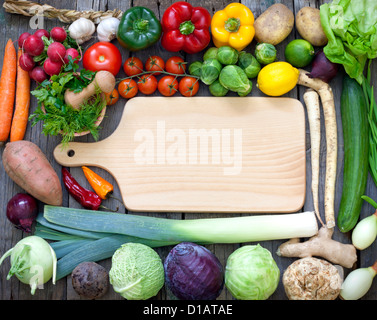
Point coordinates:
pixel 103 188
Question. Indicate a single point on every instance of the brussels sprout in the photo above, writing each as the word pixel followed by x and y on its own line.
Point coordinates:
pixel 211 53
pixel 251 273
pixel 217 89
pixel 195 68
pixel 265 53
pixel 244 94
pixel 227 55
pixel 234 78
pixel 210 71
pixel 249 64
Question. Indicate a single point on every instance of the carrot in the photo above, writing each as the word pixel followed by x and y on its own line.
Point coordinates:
pixel 21 111
pixel 7 90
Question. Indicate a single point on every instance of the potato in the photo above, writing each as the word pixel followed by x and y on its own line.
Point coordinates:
pixel 29 168
pixel 308 25
pixel 274 25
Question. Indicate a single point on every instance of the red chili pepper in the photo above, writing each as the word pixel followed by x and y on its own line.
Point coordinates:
pixel 185 28
pixel 88 199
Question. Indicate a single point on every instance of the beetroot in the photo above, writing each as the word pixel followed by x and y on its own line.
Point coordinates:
pixel 52 67
pixel 58 34
pixel 34 45
pixel 22 38
pixel 22 209
pixel 56 52
pixel 38 74
pixel 26 62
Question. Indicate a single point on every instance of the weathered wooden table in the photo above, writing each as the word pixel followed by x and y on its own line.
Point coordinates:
pixel 12 25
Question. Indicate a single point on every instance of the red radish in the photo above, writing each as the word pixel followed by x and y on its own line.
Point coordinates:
pixel 73 53
pixel 34 45
pixel 22 38
pixel 56 52
pixel 26 62
pixel 52 67
pixel 58 34
pixel 42 32
pixel 38 74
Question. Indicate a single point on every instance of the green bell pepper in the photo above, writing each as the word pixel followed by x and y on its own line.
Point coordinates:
pixel 138 29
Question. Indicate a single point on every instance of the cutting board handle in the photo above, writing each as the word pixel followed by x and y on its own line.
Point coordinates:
pixel 76 154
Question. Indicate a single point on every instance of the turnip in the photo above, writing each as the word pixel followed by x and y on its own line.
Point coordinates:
pixel 33 262
pixel 52 67
pixel 42 32
pixel 26 62
pixel 58 34
pixel 22 38
pixel 38 74
pixel 56 52
pixel 73 53
pixel 34 45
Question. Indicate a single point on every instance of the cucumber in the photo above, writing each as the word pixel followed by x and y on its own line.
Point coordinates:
pixel 354 113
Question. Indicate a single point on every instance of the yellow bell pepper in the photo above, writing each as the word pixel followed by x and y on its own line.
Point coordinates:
pixel 233 26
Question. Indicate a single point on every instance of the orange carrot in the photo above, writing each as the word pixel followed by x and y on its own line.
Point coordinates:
pixel 7 90
pixel 21 111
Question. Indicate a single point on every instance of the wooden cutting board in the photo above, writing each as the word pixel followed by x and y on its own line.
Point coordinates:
pixel 203 154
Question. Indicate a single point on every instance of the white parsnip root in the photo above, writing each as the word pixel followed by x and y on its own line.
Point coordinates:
pixel 321 245
pixel 311 100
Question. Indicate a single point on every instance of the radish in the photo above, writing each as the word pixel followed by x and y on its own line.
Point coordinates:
pixel 52 67
pixel 38 74
pixel 42 32
pixel 56 52
pixel 58 34
pixel 26 62
pixel 22 38
pixel 34 45
pixel 73 53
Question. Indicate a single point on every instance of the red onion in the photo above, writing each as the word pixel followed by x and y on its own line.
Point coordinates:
pixel 323 68
pixel 22 210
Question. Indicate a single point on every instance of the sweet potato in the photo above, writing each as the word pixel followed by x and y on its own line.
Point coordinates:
pixel 28 167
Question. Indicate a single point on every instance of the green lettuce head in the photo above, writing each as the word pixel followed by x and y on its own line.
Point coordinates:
pixel 137 272
pixel 251 273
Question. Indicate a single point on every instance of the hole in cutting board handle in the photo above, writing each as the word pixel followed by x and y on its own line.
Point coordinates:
pixel 71 153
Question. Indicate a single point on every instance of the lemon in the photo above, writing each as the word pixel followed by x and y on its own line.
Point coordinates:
pixel 277 78
pixel 299 53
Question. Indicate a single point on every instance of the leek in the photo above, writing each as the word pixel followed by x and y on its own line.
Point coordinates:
pixel 215 230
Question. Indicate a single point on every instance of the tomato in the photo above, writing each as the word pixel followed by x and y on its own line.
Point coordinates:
pixel 103 56
pixel 147 84
pixel 168 86
pixel 112 97
pixel 133 66
pixel 189 86
pixel 128 88
pixel 155 63
pixel 175 65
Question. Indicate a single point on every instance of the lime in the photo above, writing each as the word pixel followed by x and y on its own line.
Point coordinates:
pixel 299 53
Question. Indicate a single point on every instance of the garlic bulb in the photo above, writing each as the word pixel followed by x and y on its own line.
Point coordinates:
pixel 81 30
pixel 107 29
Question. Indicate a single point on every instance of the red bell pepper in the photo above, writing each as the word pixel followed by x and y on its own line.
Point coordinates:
pixel 185 28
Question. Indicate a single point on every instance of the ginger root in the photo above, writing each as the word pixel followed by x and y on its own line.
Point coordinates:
pixel 320 245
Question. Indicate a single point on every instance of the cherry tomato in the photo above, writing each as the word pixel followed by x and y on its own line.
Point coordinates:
pixel 175 65
pixel 127 88
pixel 133 66
pixel 112 97
pixel 168 86
pixel 188 86
pixel 103 56
pixel 147 84
pixel 155 63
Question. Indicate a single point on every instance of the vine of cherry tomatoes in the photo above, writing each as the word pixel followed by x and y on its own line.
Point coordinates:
pixel 144 78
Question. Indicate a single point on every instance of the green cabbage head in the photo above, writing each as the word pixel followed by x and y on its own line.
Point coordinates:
pixel 137 272
pixel 251 273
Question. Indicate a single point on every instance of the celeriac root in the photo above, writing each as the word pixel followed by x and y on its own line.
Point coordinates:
pixel 311 100
pixel 320 245
pixel 325 92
